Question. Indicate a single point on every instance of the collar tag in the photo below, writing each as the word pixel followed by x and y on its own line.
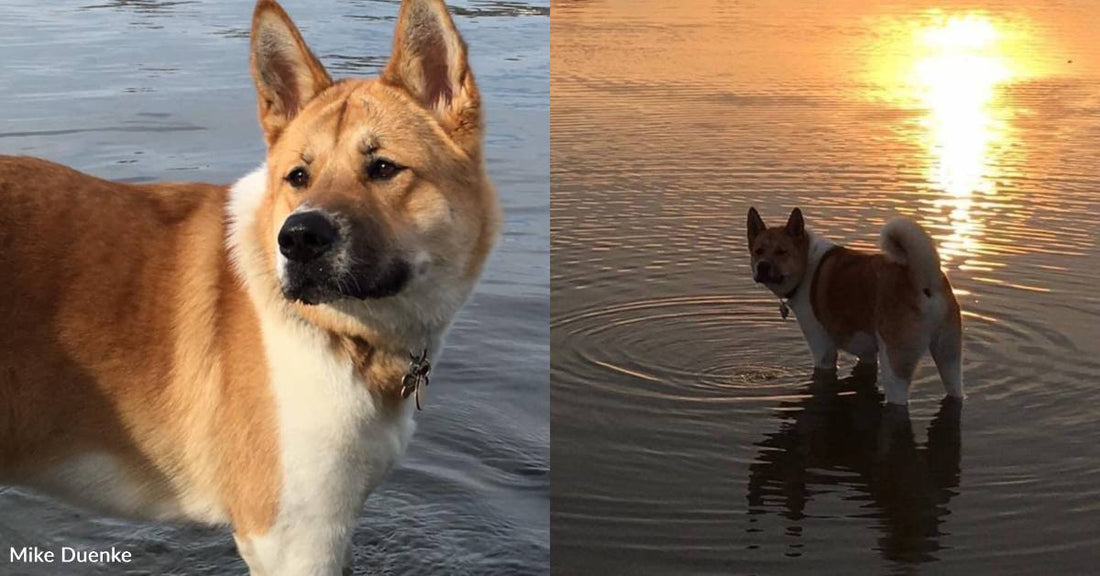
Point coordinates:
pixel 784 309
pixel 416 375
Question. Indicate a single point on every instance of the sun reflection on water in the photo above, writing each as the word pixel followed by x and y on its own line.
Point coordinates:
pixel 953 69
pixel 956 78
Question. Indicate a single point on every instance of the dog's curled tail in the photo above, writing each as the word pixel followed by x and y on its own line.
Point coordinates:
pixel 905 242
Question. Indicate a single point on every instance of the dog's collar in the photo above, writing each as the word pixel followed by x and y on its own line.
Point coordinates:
pixel 819 249
pixel 784 300
pixel 416 376
pixel 413 379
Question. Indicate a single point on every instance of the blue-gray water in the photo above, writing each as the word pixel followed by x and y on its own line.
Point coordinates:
pixel 686 437
pixel 142 90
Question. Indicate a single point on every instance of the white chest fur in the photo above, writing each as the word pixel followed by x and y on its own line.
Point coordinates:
pixel 336 444
pixel 329 424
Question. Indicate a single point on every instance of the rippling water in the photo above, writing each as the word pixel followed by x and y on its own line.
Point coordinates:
pixel 145 90
pixel 687 438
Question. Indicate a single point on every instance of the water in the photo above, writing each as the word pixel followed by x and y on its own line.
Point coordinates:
pixel 687 438
pixel 142 90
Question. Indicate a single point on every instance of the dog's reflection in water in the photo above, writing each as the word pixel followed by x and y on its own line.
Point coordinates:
pixel 843 439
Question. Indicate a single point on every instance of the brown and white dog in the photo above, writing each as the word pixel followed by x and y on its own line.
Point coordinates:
pixel 237 355
pixel 887 308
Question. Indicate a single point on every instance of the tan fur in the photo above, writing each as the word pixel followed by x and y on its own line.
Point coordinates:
pixel 127 334
pixel 132 330
pixel 847 296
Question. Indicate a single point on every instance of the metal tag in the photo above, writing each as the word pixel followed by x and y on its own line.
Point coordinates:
pixel 416 375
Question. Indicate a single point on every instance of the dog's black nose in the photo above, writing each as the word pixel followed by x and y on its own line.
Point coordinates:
pixel 763 271
pixel 306 235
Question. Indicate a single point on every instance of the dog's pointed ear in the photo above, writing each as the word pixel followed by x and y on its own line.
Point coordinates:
pixel 286 73
pixel 795 225
pixel 756 224
pixel 429 62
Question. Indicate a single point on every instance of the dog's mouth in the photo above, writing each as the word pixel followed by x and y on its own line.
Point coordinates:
pixel 768 278
pixel 318 282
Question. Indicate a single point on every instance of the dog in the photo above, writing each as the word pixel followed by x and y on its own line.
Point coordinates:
pixel 884 308
pixel 251 355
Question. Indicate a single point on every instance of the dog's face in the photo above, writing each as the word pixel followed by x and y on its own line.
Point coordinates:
pixel 376 188
pixel 779 256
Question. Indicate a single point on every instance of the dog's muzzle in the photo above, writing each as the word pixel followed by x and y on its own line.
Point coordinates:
pixel 326 261
pixel 765 273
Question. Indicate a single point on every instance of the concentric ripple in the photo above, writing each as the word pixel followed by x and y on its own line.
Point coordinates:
pixel 679 348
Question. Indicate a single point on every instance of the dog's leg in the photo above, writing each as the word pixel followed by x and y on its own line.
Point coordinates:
pixel 898 365
pixel 825 358
pixel 821 347
pixel 895 385
pixel 824 363
pixel 248 554
pixel 301 546
pixel 946 349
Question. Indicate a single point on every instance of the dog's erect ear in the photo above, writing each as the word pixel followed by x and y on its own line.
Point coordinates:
pixel 429 62
pixel 795 225
pixel 286 73
pixel 756 224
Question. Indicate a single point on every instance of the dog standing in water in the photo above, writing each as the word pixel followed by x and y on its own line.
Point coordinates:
pixel 250 355
pixel 888 307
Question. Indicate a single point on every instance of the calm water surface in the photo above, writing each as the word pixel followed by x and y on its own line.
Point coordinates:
pixel 144 90
pixel 687 438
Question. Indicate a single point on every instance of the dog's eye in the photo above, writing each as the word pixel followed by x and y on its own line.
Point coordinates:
pixel 382 169
pixel 298 177
pixel 759 251
pixel 781 252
